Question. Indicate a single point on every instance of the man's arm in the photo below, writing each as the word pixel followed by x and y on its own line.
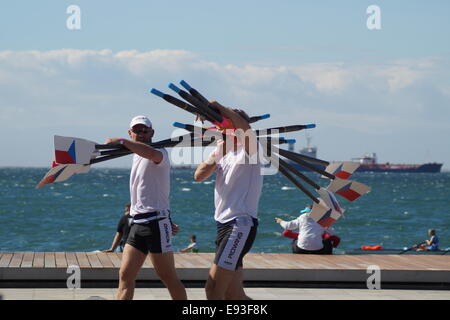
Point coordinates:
pixel 206 168
pixel 115 242
pixel 142 149
pixel 244 132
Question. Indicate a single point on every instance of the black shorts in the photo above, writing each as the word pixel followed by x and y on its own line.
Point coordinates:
pixel 234 241
pixel 154 236
pixel 327 248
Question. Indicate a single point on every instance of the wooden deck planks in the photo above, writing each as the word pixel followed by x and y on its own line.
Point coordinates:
pixel 105 260
pixel 115 259
pixel 38 260
pixel 60 259
pixel 27 261
pixel 16 260
pixel 49 260
pixel 93 260
pixel 71 259
pixel 83 261
pixel 5 260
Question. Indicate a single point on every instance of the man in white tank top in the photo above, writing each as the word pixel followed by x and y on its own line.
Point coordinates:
pixel 151 231
pixel 236 195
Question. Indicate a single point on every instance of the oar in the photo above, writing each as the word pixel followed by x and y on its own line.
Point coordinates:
pixel 212 115
pixel 284 129
pixel 259 132
pixel 179 103
pixel 285 172
pixel 70 150
pixel 342 170
pixel 298 184
pixel 257 118
pixel 350 190
pixel 62 172
pixel 293 156
pixel 413 247
pixel 225 123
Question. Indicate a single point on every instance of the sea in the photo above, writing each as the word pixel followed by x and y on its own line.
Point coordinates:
pixel 81 214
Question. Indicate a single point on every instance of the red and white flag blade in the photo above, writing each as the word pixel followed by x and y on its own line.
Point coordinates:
pixel 69 150
pixel 350 190
pixel 342 170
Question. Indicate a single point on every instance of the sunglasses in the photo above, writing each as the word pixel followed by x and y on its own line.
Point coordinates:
pixel 138 131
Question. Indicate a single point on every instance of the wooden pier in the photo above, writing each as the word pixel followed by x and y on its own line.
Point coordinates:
pixel 264 268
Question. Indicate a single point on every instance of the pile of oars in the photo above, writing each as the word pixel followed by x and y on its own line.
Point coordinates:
pixel 75 155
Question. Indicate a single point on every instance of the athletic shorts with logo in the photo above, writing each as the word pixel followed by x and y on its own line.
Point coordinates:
pixel 234 241
pixel 154 236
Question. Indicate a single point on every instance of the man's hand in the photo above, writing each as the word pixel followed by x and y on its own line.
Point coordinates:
pixel 278 220
pixel 175 229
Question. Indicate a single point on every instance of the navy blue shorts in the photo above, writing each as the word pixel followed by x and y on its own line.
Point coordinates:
pixel 234 241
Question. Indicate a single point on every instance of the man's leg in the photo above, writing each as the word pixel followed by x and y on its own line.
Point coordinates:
pixel 218 282
pixel 235 289
pixel 132 261
pixel 164 265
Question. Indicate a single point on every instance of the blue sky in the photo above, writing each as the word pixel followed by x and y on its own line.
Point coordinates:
pixel 385 91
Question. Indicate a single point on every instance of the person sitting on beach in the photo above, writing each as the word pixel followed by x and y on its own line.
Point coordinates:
pixel 432 244
pixel 123 229
pixel 310 237
pixel 192 246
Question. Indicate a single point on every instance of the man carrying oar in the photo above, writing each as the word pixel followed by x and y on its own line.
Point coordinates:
pixel 237 191
pixel 151 231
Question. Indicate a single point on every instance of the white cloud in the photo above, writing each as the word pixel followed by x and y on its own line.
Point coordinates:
pixel 89 92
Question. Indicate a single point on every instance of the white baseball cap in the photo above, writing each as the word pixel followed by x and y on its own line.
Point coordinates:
pixel 140 120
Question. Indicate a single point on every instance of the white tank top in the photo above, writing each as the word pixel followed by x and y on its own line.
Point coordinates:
pixel 150 184
pixel 238 186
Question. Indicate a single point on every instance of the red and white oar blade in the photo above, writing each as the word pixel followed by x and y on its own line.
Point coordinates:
pixel 330 200
pixel 350 190
pixel 62 172
pixel 323 214
pixel 69 150
pixel 342 170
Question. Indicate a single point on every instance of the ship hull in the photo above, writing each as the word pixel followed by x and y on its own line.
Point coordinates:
pixel 427 167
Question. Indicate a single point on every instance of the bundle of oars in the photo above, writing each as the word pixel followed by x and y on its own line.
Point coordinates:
pixel 326 209
pixel 75 155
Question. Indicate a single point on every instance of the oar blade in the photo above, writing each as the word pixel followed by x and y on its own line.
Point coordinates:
pixel 350 190
pixel 61 172
pixel 323 214
pixel 70 150
pixel 330 200
pixel 342 170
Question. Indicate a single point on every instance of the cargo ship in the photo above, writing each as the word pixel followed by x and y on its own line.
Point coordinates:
pixel 368 162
